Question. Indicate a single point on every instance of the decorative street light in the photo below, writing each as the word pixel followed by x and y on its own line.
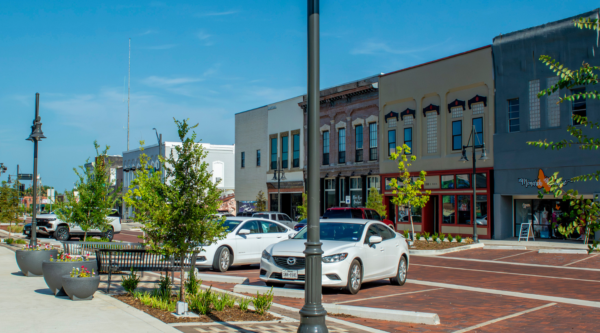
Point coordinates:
pixel 279 175
pixel 312 314
pixel 159 138
pixel 35 136
pixel 464 158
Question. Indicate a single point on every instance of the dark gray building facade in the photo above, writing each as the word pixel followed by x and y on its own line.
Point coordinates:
pixel 520 169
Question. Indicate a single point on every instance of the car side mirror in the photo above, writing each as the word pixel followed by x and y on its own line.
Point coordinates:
pixel 244 232
pixel 375 240
pixel 290 236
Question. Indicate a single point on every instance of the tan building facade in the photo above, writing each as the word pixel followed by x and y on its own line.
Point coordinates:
pixel 433 108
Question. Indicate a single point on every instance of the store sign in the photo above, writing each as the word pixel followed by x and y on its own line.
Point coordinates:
pixel 432 182
pixel 540 182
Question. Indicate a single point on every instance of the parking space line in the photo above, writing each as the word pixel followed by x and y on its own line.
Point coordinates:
pixel 574 262
pixel 503 318
pixel 376 297
pixel 514 255
pixel 513 263
pixel 486 271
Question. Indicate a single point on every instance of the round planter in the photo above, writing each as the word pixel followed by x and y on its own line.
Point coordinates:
pixel 54 271
pixel 30 262
pixel 80 289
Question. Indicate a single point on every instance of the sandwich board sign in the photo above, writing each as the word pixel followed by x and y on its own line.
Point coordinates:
pixel 526 232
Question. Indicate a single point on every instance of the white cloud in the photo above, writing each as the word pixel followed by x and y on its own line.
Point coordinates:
pixel 372 48
pixel 147 32
pixel 205 37
pixel 229 12
pixel 162 82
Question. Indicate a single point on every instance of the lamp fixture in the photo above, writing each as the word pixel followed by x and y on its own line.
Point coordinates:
pixel 464 157
pixel 483 155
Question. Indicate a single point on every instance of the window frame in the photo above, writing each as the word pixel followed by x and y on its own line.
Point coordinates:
pixel 274 153
pixel 325 146
pixel 373 141
pixel 578 101
pixel 358 143
pixel 295 153
pixel 285 151
pixel 459 135
pixel 408 142
pixel 517 119
pixel 258 157
pixel 391 145
pixel 243 159
pixel 342 145
pixel 478 133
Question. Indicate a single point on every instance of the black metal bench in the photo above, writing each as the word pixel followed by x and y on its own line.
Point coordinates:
pixel 81 248
pixel 117 260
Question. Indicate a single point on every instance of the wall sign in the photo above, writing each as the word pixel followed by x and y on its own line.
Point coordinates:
pixel 540 182
pixel 432 182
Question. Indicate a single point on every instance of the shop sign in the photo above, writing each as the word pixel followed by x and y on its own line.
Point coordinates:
pixel 247 206
pixel 540 182
pixel 432 182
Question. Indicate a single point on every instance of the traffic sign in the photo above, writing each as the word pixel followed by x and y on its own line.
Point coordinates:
pixel 26 176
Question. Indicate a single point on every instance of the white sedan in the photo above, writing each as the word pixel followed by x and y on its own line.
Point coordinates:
pixel 355 251
pixel 247 237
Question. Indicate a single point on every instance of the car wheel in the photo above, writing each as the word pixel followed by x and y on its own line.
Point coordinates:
pixel 62 233
pixel 401 273
pixel 110 233
pixel 275 284
pixel 222 259
pixel 354 278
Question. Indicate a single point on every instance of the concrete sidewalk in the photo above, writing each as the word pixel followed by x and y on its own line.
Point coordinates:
pixel 27 305
pixel 537 244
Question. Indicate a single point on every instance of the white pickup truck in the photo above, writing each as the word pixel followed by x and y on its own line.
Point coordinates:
pixel 50 225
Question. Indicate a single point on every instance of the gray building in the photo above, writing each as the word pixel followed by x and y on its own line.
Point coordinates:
pixel 520 169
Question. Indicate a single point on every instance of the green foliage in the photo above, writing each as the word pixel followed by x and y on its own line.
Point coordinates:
pixel 458 238
pixel 450 238
pixel 11 241
pixel 130 282
pixel 261 202
pixel 303 209
pixel 406 234
pixel 426 235
pixel 435 236
pixel 95 197
pixel 406 189
pixel 417 236
pixel 244 303
pixel 442 236
pixel 375 201
pixel 178 215
pixel 192 284
pixel 9 205
pixel 94 239
pixel 262 303
pixel 219 302
pixel 164 288
pixel 153 301
pixel 201 301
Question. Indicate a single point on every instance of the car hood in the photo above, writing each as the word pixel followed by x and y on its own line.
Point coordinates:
pixel 297 247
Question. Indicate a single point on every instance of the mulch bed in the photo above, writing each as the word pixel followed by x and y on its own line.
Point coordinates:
pixel 425 245
pixel 228 314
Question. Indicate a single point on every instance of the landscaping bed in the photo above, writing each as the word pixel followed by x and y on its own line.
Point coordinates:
pixel 228 314
pixel 425 245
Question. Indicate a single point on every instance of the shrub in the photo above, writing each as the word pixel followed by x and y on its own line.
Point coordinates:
pixel 458 238
pixel 450 238
pixel 192 285
pixel 15 228
pixel 219 303
pixel 228 300
pixel 130 282
pixel 164 288
pixel 442 236
pixel 417 236
pixel 94 239
pixel 468 240
pixel 435 236
pixel 155 302
pixel 426 235
pixel 406 234
pixel 11 241
pixel 262 303
pixel 201 301
pixel 244 303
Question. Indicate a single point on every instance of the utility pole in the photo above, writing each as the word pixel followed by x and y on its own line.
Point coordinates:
pixel 128 92
pixel 36 136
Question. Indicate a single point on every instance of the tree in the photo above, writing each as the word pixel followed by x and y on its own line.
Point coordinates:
pixel 375 201
pixel 261 202
pixel 9 205
pixel 89 209
pixel 303 209
pixel 585 213
pixel 178 215
pixel 407 189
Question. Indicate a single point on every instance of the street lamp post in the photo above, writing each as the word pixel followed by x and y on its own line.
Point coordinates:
pixel 35 136
pixel 464 158
pixel 312 314
pixel 279 175
pixel 159 138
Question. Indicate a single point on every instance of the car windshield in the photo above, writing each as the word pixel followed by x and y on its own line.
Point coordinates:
pixel 231 224
pixel 338 214
pixel 348 232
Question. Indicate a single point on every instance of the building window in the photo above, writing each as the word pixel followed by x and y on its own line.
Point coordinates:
pixel 284 152
pixel 342 191
pixel 464 209
pixel 457 135
pixel 373 182
pixel 358 137
pixel 448 209
pixel 553 107
pixel 534 104
pixel 243 159
pixel 457 112
pixel 391 142
pixel 432 133
pixel 477 108
pixel 341 146
pixel 330 192
pixel 391 122
pixel 273 153
pixel 513 115
pixel 578 105
pixel 448 181
pixel 463 181
pixel 258 157
pixel 409 120
pixel 296 162
pixel 478 140
pixel 373 141
pixel 408 139
pixel 481 180
pixel 356 199
pixel 326 148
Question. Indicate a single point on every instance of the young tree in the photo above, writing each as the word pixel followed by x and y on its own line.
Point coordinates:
pixel 9 205
pixel 178 215
pixel 303 209
pixel 375 201
pixel 585 213
pixel 89 209
pixel 261 202
pixel 408 190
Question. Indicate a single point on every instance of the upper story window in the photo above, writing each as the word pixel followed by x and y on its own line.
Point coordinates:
pixel 326 148
pixel 391 142
pixel 342 145
pixel 372 141
pixel 552 104
pixel 273 153
pixel 243 159
pixel 477 108
pixel 391 122
pixel 578 106
pixel 258 157
pixel 534 105
pixel 284 152
pixel 358 138
pixel 408 139
pixel 409 120
pixel 432 126
pixel 478 140
pixel 457 112
pixel 457 135
pixel 513 115
pixel 296 157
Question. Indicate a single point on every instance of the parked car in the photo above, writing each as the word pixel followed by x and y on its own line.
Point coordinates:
pixel 482 220
pixel 276 216
pixel 50 225
pixel 246 238
pixel 300 225
pixel 245 214
pixel 355 251
pixel 355 213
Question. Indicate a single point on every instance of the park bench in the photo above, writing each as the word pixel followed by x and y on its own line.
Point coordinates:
pixel 140 260
pixel 83 248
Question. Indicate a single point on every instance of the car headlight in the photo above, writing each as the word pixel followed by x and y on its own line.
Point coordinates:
pixel 266 255
pixel 335 258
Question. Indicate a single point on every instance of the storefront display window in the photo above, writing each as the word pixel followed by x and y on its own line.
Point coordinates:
pixel 448 209
pixel 356 192
pixel 463 181
pixel 274 205
pixel 416 214
pixel 541 214
pixel 481 179
pixel 464 209
pixel 481 212
pixel 448 181
pixel 330 193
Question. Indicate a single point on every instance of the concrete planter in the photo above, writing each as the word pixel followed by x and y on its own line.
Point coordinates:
pixel 54 271
pixel 80 289
pixel 30 262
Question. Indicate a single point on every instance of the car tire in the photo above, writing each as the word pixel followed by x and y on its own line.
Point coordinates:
pixel 62 233
pixel 222 260
pixel 354 278
pixel 401 273
pixel 110 234
pixel 275 284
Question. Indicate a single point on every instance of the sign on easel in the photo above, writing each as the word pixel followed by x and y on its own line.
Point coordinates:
pixel 526 232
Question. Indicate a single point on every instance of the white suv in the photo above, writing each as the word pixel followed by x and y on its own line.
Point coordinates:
pixel 50 225
pixel 276 216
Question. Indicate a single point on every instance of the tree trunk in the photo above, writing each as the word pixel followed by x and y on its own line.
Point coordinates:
pixel 84 235
pixel 181 277
pixel 412 226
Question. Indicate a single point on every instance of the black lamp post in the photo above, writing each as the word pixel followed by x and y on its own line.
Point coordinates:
pixel 279 175
pixel 35 136
pixel 312 314
pixel 464 158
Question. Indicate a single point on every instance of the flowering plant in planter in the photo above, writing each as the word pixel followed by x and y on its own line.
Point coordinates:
pixel 82 272
pixel 70 258
pixel 37 248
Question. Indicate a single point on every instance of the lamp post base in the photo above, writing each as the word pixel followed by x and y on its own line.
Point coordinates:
pixel 312 320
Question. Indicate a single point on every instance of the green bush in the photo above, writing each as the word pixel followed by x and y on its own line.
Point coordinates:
pixel 417 236
pixel 426 235
pixel 164 288
pixel 435 236
pixel 450 238
pixel 458 238
pixel 192 285
pixel 130 282
pixel 219 302
pixel 201 301
pixel 442 236
pixel 155 302
pixel 11 241
pixel 94 239
pixel 406 234
pixel 244 303
pixel 15 228
pixel 262 303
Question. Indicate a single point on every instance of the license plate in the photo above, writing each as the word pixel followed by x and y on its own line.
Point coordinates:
pixel 293 275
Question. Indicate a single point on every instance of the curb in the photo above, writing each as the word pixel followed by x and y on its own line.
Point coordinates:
pixel 283 292
pixel 444 251
pixel 563 251
pixel 223 278
pixel 504 247
pixel 385 314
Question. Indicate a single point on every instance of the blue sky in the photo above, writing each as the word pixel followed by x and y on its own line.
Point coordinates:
pixel 207 60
